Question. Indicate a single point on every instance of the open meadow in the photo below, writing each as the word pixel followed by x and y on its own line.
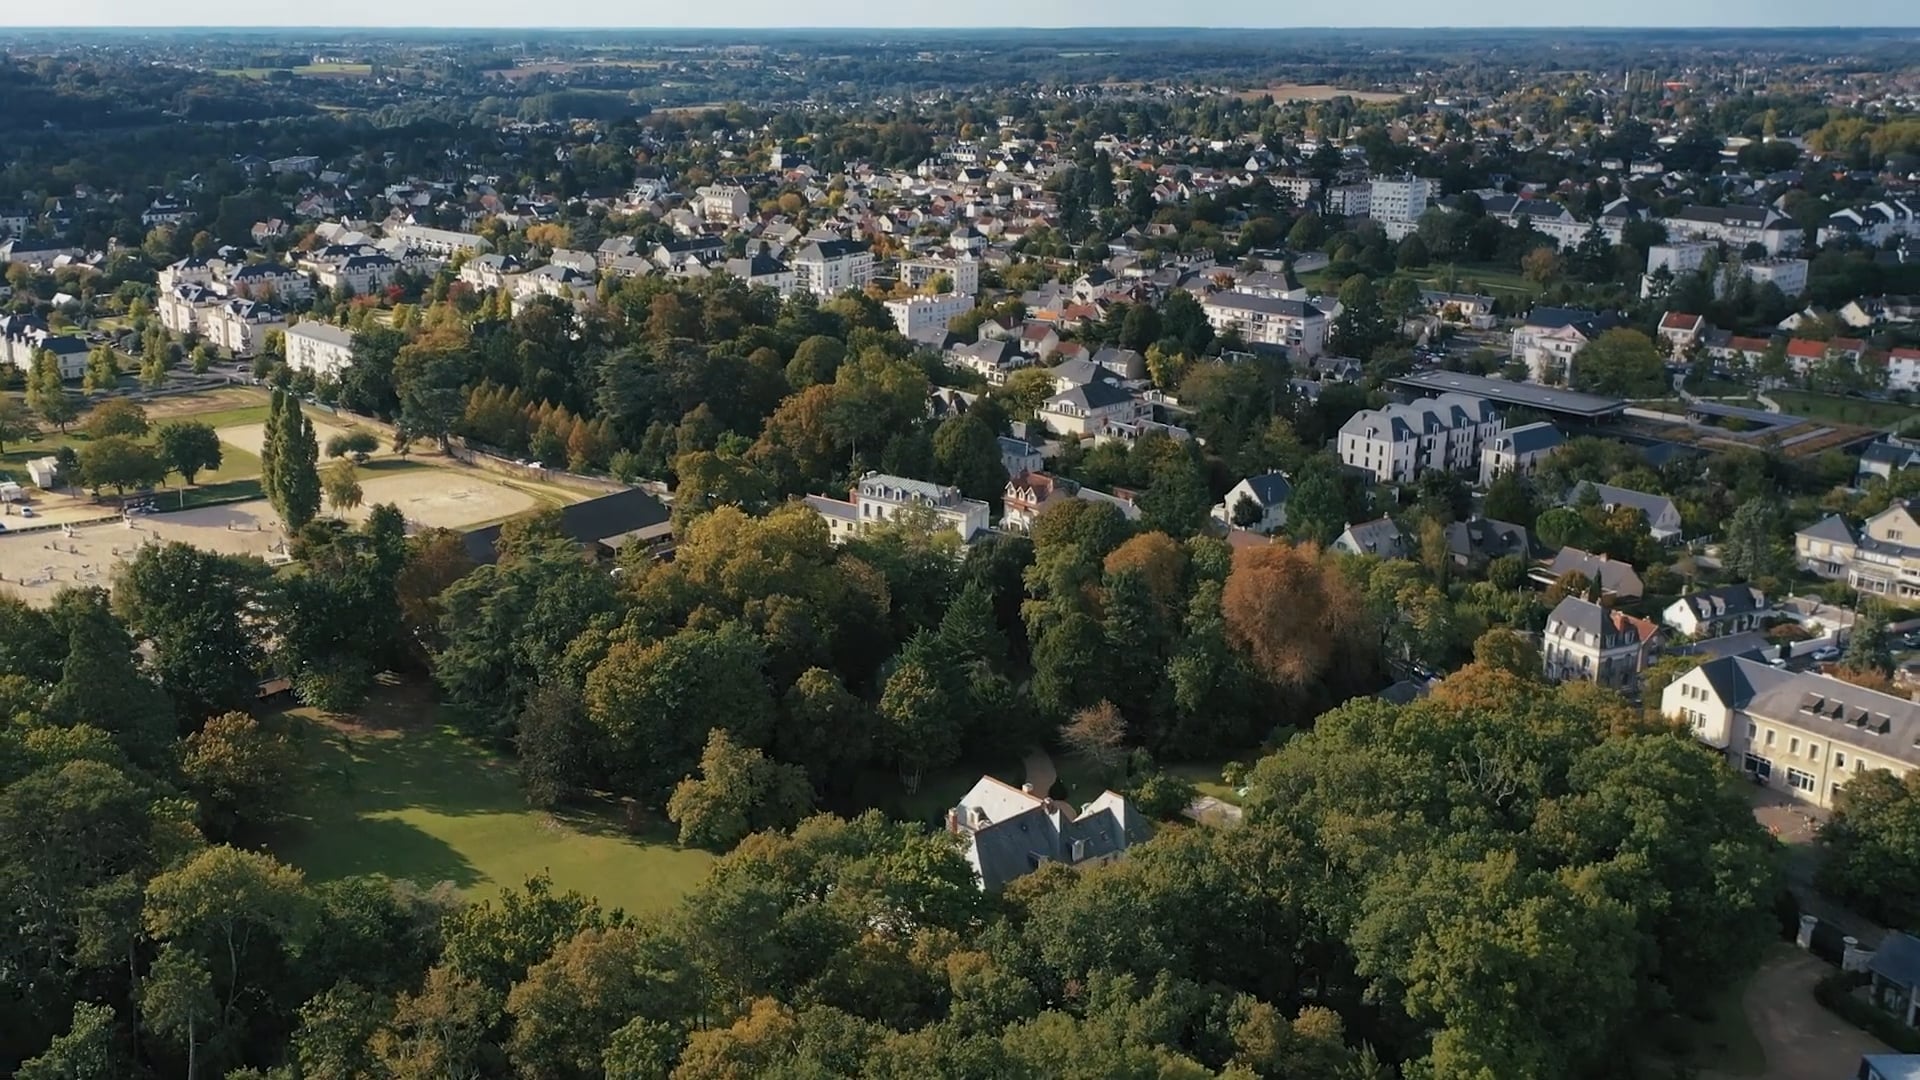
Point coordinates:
pixel 390 791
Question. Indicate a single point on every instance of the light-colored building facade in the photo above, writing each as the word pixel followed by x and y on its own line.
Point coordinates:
pixel 321 348
pixel 1518 450
pixel 240 326
pixel 1882 558
pixel 1007 832
pixel 878 498
pixel 1296 325
pixel 1402 198
pixel 442 242
pixel 827 268
pixel 916 315
pixel 1398 443
pixel 963 272
pixel 1588 642
pixel 724 204
pixel 1802 734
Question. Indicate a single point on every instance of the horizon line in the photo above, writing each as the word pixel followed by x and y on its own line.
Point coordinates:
pixel 880 28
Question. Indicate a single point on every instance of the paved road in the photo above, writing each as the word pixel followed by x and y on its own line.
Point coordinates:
pixel 1802 1040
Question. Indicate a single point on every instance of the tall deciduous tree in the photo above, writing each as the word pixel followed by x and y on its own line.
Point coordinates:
pixel 196 608
pixel 46 394
pixel 1289 610
pixel 738 791
pixel 241 774
pixel 189 447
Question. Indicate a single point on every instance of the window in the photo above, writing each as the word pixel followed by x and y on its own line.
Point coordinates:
pixel 1752 730
pixel 1801 781
pixel 1793 746
pixel 1813 751
pixel 1839 760
pixel 1769 740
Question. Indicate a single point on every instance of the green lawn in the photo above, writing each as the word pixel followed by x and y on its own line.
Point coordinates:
pixel 1833 409
pixel 1467 277
pixel 1205 778
pixel 396 794
pixel 1712 1035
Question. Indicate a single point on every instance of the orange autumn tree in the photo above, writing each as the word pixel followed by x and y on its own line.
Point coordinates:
pixel 1290 611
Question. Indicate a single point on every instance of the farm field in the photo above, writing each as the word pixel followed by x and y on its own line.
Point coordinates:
pixel 392 792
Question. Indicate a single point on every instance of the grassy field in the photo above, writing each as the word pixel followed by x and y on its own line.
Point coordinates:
pixel 1843 410
pixel 391 792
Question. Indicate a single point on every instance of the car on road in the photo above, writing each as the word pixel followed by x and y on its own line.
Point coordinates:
pixel 27 511
pixel 1826 653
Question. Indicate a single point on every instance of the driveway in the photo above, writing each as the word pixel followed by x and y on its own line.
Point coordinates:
pixel 1801 1039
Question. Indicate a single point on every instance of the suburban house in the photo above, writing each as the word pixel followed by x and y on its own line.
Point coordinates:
pixel 1478 541
pixel 878 497
pixel 1730 609
pixel 1800 733
pixel 1267 494
pixel 1551 337
pixel 1008 832
pixel 993 358
pixel 1883 558
pixel 1587 641
pixel 1679 331
pixel 826 268
pixel 321 348
pixel 1518 450
pixel 1092 409
pixel 1887 455
pixel 1019 456
pixel 1296 325
pixel 723 204
pixel 1380 537
pixel 1663 518
pixel 1029 494
pixel 1400 442
pixel 1614 577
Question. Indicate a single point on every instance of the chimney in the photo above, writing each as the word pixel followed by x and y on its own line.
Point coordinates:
pixel 1027 787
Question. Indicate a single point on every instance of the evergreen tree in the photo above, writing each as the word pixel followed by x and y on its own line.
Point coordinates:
pixel 270 440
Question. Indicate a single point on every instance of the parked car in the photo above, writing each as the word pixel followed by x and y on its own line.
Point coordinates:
pixel 1826 653
pixel 26 511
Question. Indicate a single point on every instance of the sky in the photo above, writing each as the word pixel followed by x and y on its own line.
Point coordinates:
pixel 931 13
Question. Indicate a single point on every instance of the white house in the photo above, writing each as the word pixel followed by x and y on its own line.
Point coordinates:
pixel 724 204
pixel 1007 832
pixel 321 348
pixel 1586 641
pixel 1663 517
pixel 1800 733
pixel 1092 409
pixel 241 326
pixel 763 270
pixel 878 498
pixel 1399 442
pixel 21 336
pixel 1550 338
pixel 1268 493
pixel 1267 320
pixel 1709 613
pixel 916 315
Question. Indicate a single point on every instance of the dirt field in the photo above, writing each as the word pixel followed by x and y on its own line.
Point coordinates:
pixel 248 437
pixel 441 498
pixel 1285 92
pixel 168 406
pixel 36 565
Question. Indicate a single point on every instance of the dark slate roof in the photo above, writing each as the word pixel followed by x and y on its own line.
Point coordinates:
pixel 1897 959
pixel 1726 600
pixel 1270 488
pixel 1750 644
pixel 1613 575
pixel 1487 538
pixel 1582 615
pixel 589 522
pixel 1833 528
pixel 1094 395
pixel 1529 438
pixel 1379 537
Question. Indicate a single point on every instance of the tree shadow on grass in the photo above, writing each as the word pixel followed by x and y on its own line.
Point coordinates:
pixel 341 846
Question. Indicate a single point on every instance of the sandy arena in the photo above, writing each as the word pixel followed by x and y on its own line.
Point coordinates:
pixel 248 437
pixel 37 565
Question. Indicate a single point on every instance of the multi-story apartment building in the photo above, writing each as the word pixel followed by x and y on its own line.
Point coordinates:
pixel 1882 558
pixel 241 326
pixel 878 498
pixel 1349 200
pixel 1903 369
pixel 441 242
pixel 1787 275
pixel 916 316
pixel 1398 443
pixel 1301 189
pixel 1586 641
pixel 724 204
pixel 22 336
pixel 1548 218
pixel 963 272
pixel 269 281
pixel 1518 450
pixel 1799 733
pixel 1267 320
pixel 826 268
pixel 1402 198
pixel 321 348
pixel 1737 226
pixel 179 308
